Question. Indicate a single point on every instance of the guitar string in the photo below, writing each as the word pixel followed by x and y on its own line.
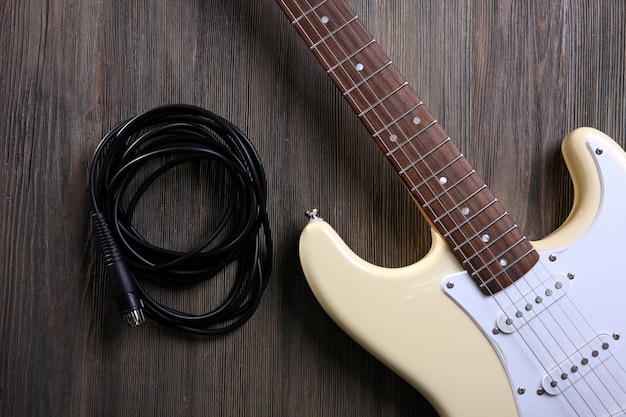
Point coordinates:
pixel 560 304
pixel 312 9
pixel 344 88
pixel 305 15
pixel 321 36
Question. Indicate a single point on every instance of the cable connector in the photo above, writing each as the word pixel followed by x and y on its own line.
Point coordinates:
pixel 121 279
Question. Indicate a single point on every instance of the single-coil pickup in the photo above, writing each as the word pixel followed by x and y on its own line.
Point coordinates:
pixel 574 368
pixel 532 304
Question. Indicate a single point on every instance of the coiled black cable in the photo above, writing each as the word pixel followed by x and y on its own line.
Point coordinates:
pixel 175 135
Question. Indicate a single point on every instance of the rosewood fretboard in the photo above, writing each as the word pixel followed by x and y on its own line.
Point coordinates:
pixel 456 201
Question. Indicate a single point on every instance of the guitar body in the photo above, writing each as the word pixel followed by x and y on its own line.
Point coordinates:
pixel 430 324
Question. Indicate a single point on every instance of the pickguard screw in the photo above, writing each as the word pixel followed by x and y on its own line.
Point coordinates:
pixel 450 285
pixel 540 391
pixel 616 336
pixel 495 330
pixel 552 258
pixel 599 151
pixel 570 275
pixel 521 390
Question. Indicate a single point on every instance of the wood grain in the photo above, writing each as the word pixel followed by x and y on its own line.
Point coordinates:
pixel 506 79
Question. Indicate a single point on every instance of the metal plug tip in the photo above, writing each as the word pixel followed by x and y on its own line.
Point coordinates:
pixel 134 318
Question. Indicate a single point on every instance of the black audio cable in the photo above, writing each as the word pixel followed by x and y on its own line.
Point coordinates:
pixel 173 135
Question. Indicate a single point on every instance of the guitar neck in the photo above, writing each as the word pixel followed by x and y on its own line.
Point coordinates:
pixel 452 196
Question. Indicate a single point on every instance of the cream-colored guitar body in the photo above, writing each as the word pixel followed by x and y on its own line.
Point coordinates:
pixel 404 317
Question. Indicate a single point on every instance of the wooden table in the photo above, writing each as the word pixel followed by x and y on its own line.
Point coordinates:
pixel 507 80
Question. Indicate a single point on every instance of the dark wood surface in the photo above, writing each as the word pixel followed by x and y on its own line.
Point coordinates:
pixel 506 79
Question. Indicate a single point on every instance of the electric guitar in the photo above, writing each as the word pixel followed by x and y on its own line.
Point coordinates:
pixel 488 323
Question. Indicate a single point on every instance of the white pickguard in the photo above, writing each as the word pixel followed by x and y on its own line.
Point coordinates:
pixel 562 345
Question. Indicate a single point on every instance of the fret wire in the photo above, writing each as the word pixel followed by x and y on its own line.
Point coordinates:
pixel 499 256
pixel 308 12
pixel 469 197
pixel 433 176
pixel 493 222
pixel 305 15
pixel 481 188
pixel 470 218
pixel 349 57
pixel 509 266
pixel 426 155
pixel 333 33
pixel 381 79
pixel 456 207
pixel 488 245
pixel 410 139
pixel 377 134
pixel 365 80
pixel 371 107
pixel 416 189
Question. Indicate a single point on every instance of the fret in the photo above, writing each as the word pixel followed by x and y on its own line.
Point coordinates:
pixel 361 64
pixel 500 280
pixel 496 260
pixel 349 57
pixel 482 253
pixel 382 99
pixel 457 207
pixel 402 169
pixel 383 116
pixel 341 44
pixel 334 32
pixel 469 246
pixel 407 134
pixel 307 13
pixel 459 214
pixel 446 202
pixel 482 230
pixel 488 245
pixel 453 220
pixel 433 182
pixel 456 217
pixel 373 74
pixel 368 78
pixel 430 191
pixel 294 11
